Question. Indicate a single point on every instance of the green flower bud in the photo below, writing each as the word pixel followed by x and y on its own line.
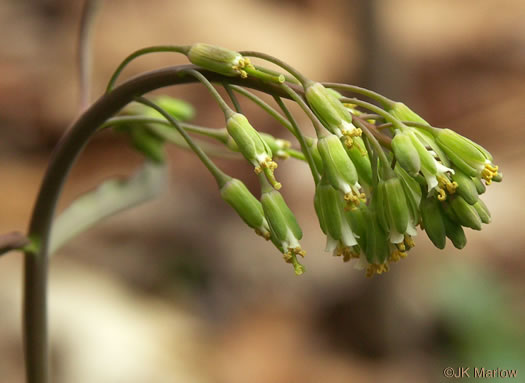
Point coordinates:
pixel 405 152
pixel 332 113
pixel 359 222
pixel 331 212
pixel 482 210
pixel 454 232
pixel 312 144
pixel 466 187
pixel 377 247
pixel 178 109
pixel 237 195
pixel 392 208
pixel 359 156
pixel 480 186
pixel 433 222
pixel 284 229
pixel 468 156
pixel 148 143
pixel 413 195
pixel 218 60
pixel 404 113
pixel 252 146
pixel 339 169
pixel 466 214
pixel 277 146
pixel 498 177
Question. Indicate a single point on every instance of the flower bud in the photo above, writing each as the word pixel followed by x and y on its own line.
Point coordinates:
pixel 498 177
pixel 284 229
pixel 217 59
pixel 433 222
pixel 312 144
pixel 404 113
pixel 454 232
pixel 252 146
pixel 331 213
pixel 377 247
pixel 466 214
pixel 480 186
pixel 466 187
pixel 405 152
pixel 359 157
pixel 148 143
pixel 392 208
pixel 468 156
pixel 237 195
pixel 339 169
pixel 482 210
pixel 334 116
pixel 413 196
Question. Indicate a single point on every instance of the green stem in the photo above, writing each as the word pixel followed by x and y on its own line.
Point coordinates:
pixel 319 128
pixel 154 49
pixel 298 155
pixel 304 147
pixel 287 77
pixel 377 110
pixel 274 60
pixel 84 56
pixel 222 104
pixel 217 134
pixel 266 107
pixel 233 98
pixel 384 101
pixel 219 175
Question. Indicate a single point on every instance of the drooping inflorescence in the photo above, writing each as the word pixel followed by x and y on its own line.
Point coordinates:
pixel 379 171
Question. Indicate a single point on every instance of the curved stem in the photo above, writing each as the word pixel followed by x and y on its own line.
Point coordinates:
pixel 222 104
pixel 266 107
pixel 384 101
pixel 63 158
pixel 274 60
pixel 319 128
pixel 84 56
pixel 219 175
pixel 305 149
pixel 154 49
pixel 233 98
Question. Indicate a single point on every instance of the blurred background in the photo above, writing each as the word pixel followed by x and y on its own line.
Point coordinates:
pixel 179 289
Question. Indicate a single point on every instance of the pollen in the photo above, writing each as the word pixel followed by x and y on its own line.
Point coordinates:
pixel 353 200
pixel 409 242
pixel 489 172
pixel 442 195
pixel 375 268
pixel 445 184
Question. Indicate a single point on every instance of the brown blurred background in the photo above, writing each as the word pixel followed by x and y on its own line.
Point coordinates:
pixel 179 289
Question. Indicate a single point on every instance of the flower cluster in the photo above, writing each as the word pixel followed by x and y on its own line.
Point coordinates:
pixel 379 172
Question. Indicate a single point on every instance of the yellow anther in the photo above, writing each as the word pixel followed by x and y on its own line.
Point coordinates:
pixel 375 268
pixel 243 74
pixel 401 246
pixel 488 173
pixel 257 170
pixel 266 234
pixel 409 242
pixel 442 195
